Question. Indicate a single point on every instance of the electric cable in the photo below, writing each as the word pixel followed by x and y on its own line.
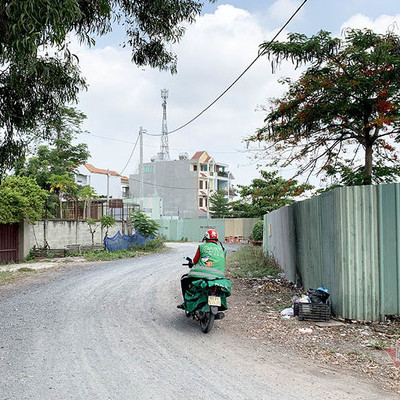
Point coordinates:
pixel 129 159
pixel 163 186
pixel 260 53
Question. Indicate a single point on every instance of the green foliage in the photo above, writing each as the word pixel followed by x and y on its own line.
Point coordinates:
pixel 250 262
pixel 64 185
pixel 107 222
pixel 92 225
pixel 59 157
pixel 219 205
pixel 21 198
pixel 152 246
pixel 40 74
pixel 258 231
pixel 266 194
pixel 347 101
pixel 143 224
pixel 87 193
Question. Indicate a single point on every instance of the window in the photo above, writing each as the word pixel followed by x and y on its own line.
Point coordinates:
pixel 205 184
pixel 203 167
pixel 205 202
pixel 200 202
pixel 148 169
pixel 201 184
pixel 195 167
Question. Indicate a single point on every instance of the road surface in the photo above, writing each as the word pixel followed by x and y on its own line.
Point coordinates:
pixel 112 331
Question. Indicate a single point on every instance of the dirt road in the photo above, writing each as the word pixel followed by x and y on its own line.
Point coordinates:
pixel 112 331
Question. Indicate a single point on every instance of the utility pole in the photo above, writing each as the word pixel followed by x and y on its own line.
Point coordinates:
pixel 141 192
pixel 108 192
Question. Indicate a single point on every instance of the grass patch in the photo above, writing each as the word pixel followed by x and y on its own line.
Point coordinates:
pixel 250 262
pixel 10 276
pixel 152 246
pixel 26 269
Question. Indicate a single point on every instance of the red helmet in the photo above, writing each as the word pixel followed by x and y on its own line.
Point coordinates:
pixel 211 234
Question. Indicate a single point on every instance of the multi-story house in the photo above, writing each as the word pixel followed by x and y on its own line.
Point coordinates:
pixel 185 185
pixel 103 181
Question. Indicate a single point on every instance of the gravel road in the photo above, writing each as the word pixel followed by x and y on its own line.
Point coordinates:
pixel 112 331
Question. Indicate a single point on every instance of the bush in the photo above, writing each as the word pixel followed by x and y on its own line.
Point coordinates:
pixel 258 231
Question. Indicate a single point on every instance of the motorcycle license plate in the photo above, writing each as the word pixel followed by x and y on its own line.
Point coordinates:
pixel 214 301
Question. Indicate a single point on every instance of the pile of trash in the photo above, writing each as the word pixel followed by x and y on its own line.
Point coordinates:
pixel 312 306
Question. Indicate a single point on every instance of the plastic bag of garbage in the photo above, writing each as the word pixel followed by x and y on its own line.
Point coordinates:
pixel 288 312
pixel 319 296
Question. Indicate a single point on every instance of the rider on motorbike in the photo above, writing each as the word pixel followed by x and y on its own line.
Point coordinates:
pixel 208 262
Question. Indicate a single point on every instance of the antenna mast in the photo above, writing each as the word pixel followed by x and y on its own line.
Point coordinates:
pixel 164 148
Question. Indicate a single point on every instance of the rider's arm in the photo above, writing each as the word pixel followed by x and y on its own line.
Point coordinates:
pixel 196 257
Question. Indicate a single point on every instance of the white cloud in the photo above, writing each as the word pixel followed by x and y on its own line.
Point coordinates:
pixel 380 24
pixel 214 51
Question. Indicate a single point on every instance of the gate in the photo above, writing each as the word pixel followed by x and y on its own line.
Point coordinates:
pixel 8 243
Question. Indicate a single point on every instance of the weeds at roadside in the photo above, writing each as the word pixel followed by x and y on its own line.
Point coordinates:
pixel 10 276
pixel 250 262
pixel 152 246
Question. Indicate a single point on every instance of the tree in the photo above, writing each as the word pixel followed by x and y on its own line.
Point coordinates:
pixel 346 101
pixel 143 224
pixel 219 205
pixel 62 184
pixel 59 156
pixel 39 74
pixel 266 194
pixel 87 193
pixel 107 221
pixel 21 198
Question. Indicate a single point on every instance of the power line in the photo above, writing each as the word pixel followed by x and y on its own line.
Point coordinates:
pixel 238 78
pixel 129 159
pixel 163 186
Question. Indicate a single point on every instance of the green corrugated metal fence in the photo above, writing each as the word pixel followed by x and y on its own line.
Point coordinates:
pixel 347 239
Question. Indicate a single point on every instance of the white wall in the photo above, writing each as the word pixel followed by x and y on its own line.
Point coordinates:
pixel 99 183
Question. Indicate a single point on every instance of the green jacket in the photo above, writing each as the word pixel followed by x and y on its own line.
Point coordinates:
pixel 211 264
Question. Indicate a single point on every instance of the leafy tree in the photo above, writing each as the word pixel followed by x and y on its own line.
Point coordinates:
pixel 60 156
pixel 62 184
pixel 107 222
pixel 266 194
pixel 143 224
pixel 219 205
pixel 39 74
pixel 87 193
pixel 92 225
pixel 346 101
pixel 21 198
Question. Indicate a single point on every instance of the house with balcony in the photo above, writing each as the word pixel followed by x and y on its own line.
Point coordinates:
pixel 184 185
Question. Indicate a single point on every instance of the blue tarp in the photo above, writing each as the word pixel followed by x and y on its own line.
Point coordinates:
pixel 120 242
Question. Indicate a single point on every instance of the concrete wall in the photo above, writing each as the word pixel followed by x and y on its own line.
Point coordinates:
pixel 59 234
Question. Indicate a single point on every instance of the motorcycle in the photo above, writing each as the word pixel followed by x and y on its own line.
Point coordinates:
pixel 204 299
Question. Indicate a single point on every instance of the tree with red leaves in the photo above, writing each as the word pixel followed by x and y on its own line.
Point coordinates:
pixel 344 105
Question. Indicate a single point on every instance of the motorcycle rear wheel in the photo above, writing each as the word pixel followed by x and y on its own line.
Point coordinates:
pixel 207 322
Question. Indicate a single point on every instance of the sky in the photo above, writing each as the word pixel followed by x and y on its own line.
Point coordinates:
pixel 215 50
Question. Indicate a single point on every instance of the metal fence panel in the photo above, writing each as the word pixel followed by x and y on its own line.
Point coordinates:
pixel 389 248
pixel 332 239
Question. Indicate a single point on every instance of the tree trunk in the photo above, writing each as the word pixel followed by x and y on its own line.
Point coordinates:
pixel 368 165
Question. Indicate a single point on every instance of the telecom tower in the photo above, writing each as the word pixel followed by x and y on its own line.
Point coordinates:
pixel 163 155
